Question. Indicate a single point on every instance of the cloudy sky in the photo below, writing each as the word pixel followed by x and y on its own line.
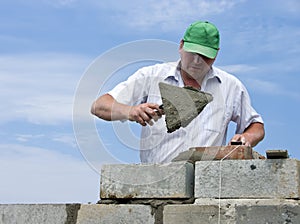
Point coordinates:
pixel 54 54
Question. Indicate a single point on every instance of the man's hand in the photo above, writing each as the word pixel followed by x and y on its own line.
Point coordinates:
pixel 107 108
pixel 251 136
pixel 145 113
pixel 240 138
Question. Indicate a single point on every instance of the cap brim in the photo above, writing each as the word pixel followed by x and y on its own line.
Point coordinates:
pixel 200 49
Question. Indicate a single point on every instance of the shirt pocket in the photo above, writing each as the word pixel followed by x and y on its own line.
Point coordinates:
pixel 215 118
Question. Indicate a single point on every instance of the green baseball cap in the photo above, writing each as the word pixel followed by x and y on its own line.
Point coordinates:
pixel 202 38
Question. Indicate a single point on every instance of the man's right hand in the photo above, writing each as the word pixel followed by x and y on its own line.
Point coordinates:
pixel 107 108
pixel 145 113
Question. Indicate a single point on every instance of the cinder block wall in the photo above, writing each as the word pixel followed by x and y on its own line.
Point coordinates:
pixel 227 191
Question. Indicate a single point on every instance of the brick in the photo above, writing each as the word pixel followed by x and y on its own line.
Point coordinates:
pixel 127 181
pixel 278 178
pixel 216 153
pixel 113 214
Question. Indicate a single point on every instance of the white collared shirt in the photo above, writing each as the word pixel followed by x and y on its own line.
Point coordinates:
pixel 231 102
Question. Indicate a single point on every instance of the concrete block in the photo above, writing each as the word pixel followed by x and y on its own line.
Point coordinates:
pixel 113 214
pixel 240 210
pixel 268 214
pixel 232 203
pixel 234 211
pixel 278 178
pixel 38 213
pixel 126 181
pixel 178 214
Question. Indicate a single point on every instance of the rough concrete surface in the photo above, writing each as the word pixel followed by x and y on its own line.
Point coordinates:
pixel 38 213
pixel 113 214
pixel 264 210
pixel 233 213
pixel 246 202
pixel 127 181
pixel 179 214
pixel 247 179
pixel 268 214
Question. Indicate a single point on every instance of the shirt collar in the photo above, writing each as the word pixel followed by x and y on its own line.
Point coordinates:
pixel 213 74
pixel 174 73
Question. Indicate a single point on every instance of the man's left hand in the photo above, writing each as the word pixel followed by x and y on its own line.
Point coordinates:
pixel 240 138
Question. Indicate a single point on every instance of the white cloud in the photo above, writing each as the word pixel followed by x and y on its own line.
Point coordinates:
pixel 38 175
pixel 67 139
pixel 254 77
pixel 272 88
pixel 238 68
pixel 167 14
pixel 39 88
pixel 60 3
pixel 265 86
pixel 27 137
pixel 291 6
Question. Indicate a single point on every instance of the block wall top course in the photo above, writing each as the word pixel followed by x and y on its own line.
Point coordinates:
pixel 276 178
pixel 127 181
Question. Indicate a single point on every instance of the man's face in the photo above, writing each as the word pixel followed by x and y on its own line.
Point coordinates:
pixel 195 65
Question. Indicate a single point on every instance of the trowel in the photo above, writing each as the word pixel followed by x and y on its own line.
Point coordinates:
pixel 181 104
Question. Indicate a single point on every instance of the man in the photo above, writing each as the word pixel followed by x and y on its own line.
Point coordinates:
pixel 138 100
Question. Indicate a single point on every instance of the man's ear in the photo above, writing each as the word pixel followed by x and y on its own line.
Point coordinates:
pixel 181 44
pixel 180 47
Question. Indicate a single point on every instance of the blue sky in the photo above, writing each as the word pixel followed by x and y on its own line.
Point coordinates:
pixel 48 46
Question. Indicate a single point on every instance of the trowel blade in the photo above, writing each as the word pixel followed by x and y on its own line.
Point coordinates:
pixel 182 104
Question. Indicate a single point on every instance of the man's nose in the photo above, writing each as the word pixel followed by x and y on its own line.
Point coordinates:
pixel 198 58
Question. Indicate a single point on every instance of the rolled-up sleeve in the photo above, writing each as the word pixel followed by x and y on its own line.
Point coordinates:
pixel 244 114
pixel 133 91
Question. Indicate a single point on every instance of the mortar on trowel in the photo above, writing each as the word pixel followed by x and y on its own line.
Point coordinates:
pixel 181 104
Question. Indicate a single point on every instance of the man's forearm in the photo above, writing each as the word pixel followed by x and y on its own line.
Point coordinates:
pixel 254 133
pixel 251 136
pixel 107 108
